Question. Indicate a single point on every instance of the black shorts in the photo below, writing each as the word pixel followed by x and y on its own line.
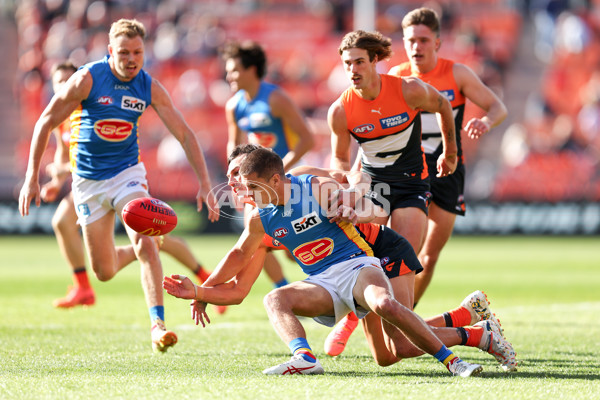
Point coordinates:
pixel 401 194
pixel 395 253
pixel 448 192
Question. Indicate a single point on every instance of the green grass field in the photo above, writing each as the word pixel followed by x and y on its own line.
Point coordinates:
pixel 544 290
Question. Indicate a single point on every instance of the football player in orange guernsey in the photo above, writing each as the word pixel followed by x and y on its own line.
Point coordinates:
pixel 457 82
pixel 382 113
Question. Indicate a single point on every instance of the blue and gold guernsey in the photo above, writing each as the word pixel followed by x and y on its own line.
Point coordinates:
pixel 254 117
pixel 302 226
pixel 104 128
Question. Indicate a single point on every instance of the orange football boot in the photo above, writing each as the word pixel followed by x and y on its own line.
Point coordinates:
pixel 76 296
pixel 338 337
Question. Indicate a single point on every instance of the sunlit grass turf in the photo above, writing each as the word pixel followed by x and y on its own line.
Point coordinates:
pixel 544 290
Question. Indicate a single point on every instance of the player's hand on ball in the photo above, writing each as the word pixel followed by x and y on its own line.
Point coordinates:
pixel 179 286
pixel 199 312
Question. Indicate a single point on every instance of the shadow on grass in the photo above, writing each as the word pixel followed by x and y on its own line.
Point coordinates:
pixel 489 371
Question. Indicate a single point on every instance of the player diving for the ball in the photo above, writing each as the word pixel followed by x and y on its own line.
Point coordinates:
pixel 401 265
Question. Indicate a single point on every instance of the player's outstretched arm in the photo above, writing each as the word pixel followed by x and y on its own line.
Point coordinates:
pixel 58 170
pixel 422 96
pixel 340 138
pixel 175 123
pixel 63 103
pixel 240 255
pixel 229 293
pixel 235 135
pixel 283 107
pixel 481 95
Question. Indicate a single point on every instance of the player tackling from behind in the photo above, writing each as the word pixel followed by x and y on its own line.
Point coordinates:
pixel 342 273
pixel 400 265
pixel 105 100
pixel 382 113
pixel 457 82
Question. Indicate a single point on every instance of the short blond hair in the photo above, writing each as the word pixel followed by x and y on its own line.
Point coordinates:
pixel 128 27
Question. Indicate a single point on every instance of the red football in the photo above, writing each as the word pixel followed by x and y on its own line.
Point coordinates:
pixel 149 216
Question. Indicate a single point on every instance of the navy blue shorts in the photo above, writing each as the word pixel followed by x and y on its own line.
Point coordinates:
pixel 448 192
pixel 396 255
pixel 401 194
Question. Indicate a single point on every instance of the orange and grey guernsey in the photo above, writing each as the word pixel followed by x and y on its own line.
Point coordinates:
pixel 441 78
pixel 388 131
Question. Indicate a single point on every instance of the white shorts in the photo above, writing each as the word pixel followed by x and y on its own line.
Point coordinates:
pixel 94 199
pixel 339 280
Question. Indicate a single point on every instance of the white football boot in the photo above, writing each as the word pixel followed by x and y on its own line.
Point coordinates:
pixel 464 369
pixel 479 308
pixel 495 344
pixel 296 365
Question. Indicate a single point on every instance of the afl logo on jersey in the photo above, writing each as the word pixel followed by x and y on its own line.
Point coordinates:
pixel 113 130
pixel 280 233
pixel 306 222
pixel 133 104
pixel 384 261
pixel 105 100
pixel 363 129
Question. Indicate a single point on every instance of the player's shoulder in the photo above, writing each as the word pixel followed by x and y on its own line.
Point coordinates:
pixel 463 73
pixel 233 100
pixel 403 69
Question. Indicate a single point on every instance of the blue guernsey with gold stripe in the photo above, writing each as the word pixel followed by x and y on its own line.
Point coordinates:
pixel 104 128
pixel 303 227
pixel 256 120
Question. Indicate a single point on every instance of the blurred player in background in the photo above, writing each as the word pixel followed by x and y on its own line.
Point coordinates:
pixel 457 82
pixel 64 221
pixel 262 113
pixel 382 113
pixel 105 100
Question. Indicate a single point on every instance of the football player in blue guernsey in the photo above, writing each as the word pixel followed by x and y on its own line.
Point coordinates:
pixel 343 275
pixel 105 100
pixel 262 113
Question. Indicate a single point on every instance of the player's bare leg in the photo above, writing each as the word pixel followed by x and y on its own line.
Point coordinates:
pixel 146 252
pixel 282 305
pixel 439 230
pixel 373 291
pixel 410 223
pixel 274 270
pixel 64 224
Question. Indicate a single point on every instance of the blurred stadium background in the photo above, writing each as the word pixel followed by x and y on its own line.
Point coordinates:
pixel 538 173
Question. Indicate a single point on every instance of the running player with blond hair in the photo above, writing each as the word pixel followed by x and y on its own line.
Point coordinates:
pixel 105 100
